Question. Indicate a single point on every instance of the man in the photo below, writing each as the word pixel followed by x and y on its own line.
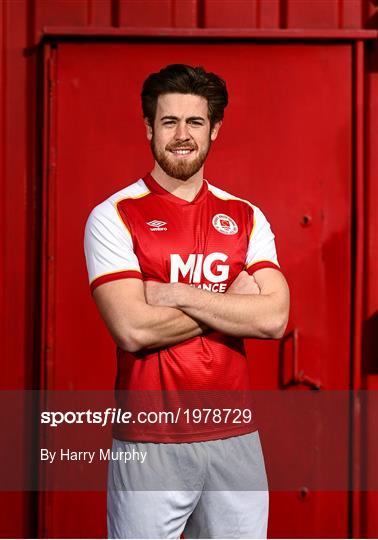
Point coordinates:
pixel 181 272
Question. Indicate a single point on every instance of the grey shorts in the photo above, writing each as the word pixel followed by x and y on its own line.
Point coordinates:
pixel 211 489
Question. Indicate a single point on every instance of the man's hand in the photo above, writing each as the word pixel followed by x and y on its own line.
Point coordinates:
pixel 244 284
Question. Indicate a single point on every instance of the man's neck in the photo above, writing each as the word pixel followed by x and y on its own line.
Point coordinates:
pixel 184 189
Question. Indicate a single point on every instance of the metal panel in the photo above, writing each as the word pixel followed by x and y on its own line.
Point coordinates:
pixel 284 13
pixel 186 13
pixel 357 304
pixel 209 13
pixel 132 12
pixel 268 14
pixel 3 138
pixel 197 13
pixel 60 12
pixel 99 13
pixel 14 196
pixel 369 14
pixel 371 198
pixel 231 14
pixel 350 14
pixel 22 23
pixel 311 170
pixel 165 13
pixel 370 360
pixel 16 330
pixel 53 32
pixel 320 14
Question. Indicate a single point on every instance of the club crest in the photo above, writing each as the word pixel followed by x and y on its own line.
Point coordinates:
pixel 224 224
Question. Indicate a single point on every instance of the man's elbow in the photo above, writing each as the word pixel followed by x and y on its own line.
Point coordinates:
pixel 133 342
pixel 278 327
pixel 277 323
pixel 275 328
pixel 278 331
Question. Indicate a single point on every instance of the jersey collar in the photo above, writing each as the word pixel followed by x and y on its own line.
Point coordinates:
pixel 154 187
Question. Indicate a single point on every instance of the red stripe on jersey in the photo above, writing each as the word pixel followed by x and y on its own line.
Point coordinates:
pixel 112 277
pixel 261 264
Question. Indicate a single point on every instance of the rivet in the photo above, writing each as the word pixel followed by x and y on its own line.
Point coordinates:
pixel 306 220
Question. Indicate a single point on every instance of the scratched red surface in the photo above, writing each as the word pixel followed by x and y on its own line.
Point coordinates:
pixel 329 182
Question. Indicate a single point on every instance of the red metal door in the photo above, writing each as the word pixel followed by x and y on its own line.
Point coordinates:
pixel 286 145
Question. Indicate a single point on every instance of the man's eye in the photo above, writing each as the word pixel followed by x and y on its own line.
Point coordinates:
pixel 195 122
pixel 168 123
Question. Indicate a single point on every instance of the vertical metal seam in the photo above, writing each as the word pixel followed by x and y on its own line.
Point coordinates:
pixel 115 13
pixel 47 276
pixel 33 260
pixel 258 13
pixel 340 13
pixel 357 311
pixel 173 13
pixel 283 16
pixel 364 13
pixel 89 12
pixel 3 119
pixel 200 13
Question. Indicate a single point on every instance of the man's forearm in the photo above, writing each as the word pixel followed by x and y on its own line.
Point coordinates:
pixel 165 326
pixel 135 325
pixel 262 316
pixel 165 332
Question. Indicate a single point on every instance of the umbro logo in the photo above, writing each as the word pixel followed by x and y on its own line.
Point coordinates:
pixel 156 225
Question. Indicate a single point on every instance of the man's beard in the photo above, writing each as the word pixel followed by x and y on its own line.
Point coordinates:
pixel 182 169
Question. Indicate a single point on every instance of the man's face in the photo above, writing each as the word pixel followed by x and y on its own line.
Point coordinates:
pixel 181 137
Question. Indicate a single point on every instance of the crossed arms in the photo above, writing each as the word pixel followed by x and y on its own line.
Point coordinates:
pixel 145 315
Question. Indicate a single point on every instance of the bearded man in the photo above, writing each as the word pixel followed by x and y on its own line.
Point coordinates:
pixel 181 271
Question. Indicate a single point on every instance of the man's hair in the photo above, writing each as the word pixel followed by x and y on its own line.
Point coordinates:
pixel 184 79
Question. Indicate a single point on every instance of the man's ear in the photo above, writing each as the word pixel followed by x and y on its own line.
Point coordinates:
pixel 215 130
pixel 149 130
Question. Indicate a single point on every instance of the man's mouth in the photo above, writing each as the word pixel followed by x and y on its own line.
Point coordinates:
pixel 181 151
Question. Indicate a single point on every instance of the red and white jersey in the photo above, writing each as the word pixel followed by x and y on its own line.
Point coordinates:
pixel 146 232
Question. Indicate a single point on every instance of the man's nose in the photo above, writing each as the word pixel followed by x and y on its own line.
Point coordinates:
pixel 182 131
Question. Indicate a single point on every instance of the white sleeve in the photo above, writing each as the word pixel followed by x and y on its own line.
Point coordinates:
pixel 108 247
pixel 261 251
